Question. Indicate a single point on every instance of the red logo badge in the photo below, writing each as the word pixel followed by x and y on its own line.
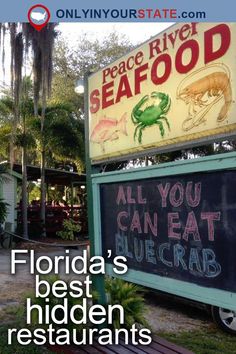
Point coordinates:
pixel 38 16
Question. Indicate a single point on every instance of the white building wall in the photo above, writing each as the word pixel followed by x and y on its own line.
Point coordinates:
pixel 9 196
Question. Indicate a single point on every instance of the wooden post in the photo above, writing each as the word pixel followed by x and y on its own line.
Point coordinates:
pixel 71 199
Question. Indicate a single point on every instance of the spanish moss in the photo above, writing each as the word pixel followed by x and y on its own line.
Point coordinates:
pixel 24 39
pixel 12 30
pixel 18 64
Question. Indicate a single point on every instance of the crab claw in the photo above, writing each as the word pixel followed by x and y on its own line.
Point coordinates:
pixel 136 109
pixel 143 100
pixel 159 95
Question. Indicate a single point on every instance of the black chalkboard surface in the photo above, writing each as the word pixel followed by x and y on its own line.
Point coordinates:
pixel 181 227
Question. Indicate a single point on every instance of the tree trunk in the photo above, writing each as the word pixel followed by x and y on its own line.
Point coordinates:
pixel 43 153
pixel 11 154
pixel 12 145
pixel 43 194
pixel 24 195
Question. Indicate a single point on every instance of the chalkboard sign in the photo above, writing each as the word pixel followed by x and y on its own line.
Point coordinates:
pixel 181 227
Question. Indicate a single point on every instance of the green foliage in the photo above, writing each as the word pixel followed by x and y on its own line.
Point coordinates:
pixel 17 348
pixel 14 313
pixel 5 133
pixel 3 210
pixel 24 140
pixel 63 136
pixel 56 195
pixel 130 297
pixel 71 64
pixel 66 138
pixel 6 109
pixel 34 191
pixel 209 341
pixel 70 229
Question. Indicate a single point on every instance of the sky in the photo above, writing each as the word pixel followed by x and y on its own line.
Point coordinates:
pixel 135 32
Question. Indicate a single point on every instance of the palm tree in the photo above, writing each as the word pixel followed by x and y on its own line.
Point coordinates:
pixel 22 38
pixel 21 137
pixel 62 139
pixel 63 135
pixel 130 297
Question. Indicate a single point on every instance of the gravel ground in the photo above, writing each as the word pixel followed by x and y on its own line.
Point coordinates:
pixel 163 313
pixel 166 313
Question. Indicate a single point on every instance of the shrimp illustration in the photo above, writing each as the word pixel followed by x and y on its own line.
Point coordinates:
pixel 199 93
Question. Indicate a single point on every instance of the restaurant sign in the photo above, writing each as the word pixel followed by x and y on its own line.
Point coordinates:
pixel 172 91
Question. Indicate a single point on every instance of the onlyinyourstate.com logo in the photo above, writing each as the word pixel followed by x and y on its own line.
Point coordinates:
pixel 38 16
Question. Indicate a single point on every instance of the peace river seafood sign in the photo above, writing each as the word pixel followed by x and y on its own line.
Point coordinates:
pixel 176 88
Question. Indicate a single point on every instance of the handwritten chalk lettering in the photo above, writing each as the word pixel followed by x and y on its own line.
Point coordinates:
pixel 201 262
pixel 148 224
pixel 130 195
pixel 133 223
pixel 194 262
pixel 162 256
pixel 122 246
pixel 172 217
pixel 178 227
pixel 122 214
pixel 191 228
pixel 121 196
pixel 164 193
pixel 150 252
pixel 178 193
pixel 210 217
pixel 130 200
pixel 193 201
pixel 138 249
pixel 210 267
pixel 179 253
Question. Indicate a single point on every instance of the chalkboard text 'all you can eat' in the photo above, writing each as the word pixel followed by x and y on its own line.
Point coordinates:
pixel 183 231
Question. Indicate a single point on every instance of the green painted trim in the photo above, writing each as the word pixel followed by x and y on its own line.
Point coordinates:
pixel 98 280
pixel 15 174
pixel 97 222
pixel 191 291
pixel 207 163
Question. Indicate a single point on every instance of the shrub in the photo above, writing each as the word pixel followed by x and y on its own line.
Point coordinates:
pixel 70 228
pixel 130 297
